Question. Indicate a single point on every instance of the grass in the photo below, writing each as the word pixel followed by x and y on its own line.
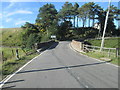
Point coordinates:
pixel 10 53
pixel 100 55
pixel 12 65
pixel 11 39
pixel 109 43
pixel 11 36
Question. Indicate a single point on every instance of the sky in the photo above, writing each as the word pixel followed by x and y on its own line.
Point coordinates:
pixel 15 14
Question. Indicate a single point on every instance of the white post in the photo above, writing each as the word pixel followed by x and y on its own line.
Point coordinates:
pixel 102 43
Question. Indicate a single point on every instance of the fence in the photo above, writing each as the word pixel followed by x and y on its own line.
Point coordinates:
pixel 108 51
pixel 11 53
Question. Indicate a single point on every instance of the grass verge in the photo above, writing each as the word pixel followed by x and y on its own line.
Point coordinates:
pixel 103 56
pixel 10 53
pixel 11 66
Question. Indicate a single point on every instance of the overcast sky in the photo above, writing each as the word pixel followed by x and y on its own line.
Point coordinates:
pixel 15 14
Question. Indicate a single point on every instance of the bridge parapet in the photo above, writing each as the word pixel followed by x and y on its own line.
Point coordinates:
pixel 78 46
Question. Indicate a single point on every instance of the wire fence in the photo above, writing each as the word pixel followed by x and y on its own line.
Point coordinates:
pixel 8 53
pixel 109 51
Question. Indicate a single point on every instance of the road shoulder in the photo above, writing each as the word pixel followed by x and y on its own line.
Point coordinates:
pixel 107 62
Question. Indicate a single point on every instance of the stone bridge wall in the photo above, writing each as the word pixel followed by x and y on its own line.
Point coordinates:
pixel 78 46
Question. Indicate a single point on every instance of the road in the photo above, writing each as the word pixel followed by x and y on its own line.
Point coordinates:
pixel 61 67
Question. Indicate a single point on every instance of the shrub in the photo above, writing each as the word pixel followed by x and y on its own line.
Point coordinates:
pixel 32 39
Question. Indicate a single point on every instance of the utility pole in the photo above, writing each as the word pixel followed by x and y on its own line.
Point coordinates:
pixel 106 20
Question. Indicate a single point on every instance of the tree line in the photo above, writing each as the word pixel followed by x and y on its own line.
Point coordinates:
pixel 65 23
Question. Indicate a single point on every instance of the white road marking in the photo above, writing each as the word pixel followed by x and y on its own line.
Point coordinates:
pixel 112 64
pixel 78 77
pixel 10 76
pixel 93 58
pixel 69 68
pixel 86 86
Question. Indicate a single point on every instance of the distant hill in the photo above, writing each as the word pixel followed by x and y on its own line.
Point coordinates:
pixel 11 36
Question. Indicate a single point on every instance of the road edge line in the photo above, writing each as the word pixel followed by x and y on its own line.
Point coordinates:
pixel 90 57
pixel 10 76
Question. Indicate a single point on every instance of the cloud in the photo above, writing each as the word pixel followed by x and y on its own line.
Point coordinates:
pixel 10 5
pixel 19 12
pixel 1 15
pixel 9 0
pixel 1 26
pixel 21 22
pixel 9 19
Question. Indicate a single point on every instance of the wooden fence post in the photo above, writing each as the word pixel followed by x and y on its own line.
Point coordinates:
pixel 83 47
pixel 12 52
pixel 109 53
pixel 17 54
pixel 117 51
pixel 36 46
pixel 93 48
pixel 2 56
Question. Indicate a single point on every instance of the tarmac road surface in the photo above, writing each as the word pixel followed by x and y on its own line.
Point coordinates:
pixel 61 67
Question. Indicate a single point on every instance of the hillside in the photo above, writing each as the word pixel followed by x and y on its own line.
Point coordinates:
pixel 10 36
pixel 109 43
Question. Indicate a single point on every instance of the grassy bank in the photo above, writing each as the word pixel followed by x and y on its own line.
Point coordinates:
pixel 11 39
pixel 12 65
pixel 10 53
pixel 109 43
pixel 11 36
pixel 103 56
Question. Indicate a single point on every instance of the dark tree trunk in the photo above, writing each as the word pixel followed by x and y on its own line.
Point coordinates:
pixel 83 23
pixel 89 22
pixel 74 21
pixel 77 21
pixel 93 20
pixel 69 19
